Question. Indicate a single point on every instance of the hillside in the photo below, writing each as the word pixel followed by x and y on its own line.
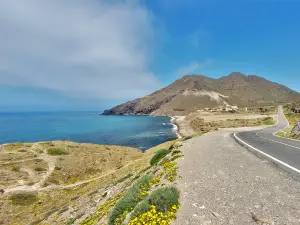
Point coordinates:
pixel 63 182
pixel 193 92
pixel 53 182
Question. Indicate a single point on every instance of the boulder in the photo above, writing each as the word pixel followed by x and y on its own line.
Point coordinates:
pixel 296 130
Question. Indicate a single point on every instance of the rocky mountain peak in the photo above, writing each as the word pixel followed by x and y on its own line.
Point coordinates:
pixel 193 92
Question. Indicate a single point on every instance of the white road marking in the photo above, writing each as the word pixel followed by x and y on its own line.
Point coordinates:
pixel 278 141
pixel 269 156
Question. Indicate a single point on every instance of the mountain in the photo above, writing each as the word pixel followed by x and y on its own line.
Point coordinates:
pixel 193 92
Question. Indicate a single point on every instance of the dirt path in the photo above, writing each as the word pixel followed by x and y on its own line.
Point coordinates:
pixel 17 161
pixel 36 186
pixel 223 183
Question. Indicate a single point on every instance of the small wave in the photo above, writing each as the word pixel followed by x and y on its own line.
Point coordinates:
pixel 175 128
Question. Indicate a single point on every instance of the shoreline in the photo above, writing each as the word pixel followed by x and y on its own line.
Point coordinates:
pixel 175 127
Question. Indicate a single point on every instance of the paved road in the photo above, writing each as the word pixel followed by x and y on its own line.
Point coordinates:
pixel 285 152
pixel 222 183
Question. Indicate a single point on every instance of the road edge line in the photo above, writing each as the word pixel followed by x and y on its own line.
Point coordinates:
pixel 274 160
pixel 276 132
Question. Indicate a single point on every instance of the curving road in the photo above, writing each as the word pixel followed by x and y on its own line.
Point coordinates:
pixel 282 151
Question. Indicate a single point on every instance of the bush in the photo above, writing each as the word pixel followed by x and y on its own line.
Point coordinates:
pixel 174 152
pixel 163 198
pixel 24 198
pixel 158 156
pixel 268 121
pixel 15 168
pixel 39 169
pixel 129 201
pixel 57 151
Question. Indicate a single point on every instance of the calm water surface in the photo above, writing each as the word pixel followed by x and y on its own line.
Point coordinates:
pixel 136 131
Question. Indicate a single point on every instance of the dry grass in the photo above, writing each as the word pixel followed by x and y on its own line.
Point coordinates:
pixel 87 161
pixel 111 164
pixel 199 124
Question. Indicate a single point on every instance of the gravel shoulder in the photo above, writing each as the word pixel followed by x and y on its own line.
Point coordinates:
pixel 223 183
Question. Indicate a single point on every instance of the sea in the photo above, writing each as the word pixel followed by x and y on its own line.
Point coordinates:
pixel 141 132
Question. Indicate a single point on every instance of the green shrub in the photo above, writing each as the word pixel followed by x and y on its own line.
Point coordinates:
pixel 141 208
pixel 24 198
pixel 57 151
pixel 39 169
pixel 174 152
pixel 15 168
pixel 176 157
pixel 129 201
pixel 158 156
pixel 268 121
pixel 163 198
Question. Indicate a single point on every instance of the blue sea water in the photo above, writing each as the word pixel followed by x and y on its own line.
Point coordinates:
pixel 87 127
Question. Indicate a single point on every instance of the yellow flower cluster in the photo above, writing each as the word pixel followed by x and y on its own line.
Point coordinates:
pixel 146 187
pixel 171 169
pixel 153 217
pixel 101 211
pixel 144 190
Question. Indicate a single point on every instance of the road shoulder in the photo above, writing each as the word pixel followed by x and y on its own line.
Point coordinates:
pixel 223 183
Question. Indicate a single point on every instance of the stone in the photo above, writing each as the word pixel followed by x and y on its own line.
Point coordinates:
pixel 296 130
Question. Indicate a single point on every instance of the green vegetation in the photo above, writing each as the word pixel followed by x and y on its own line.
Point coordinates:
pixel 15 168
pixel 175 152
pixel 160 154
pixel 24 198
pixel 293 118
pixel 186 138
pixel 40 169
pixel 162 198
pixel 176 144
pixel 57 151
pixel 129 201
pixel 268 121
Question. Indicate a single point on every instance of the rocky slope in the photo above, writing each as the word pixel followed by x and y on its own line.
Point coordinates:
pixel 193 92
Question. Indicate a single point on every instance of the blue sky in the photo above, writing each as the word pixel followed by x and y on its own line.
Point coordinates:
pixel 90 55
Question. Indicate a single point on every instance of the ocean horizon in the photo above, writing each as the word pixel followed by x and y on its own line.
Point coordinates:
pixel 141 132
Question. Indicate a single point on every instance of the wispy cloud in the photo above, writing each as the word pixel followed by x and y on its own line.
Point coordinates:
pixel 89 49
pixel 200 38
pixel 188 69
pixel 194 67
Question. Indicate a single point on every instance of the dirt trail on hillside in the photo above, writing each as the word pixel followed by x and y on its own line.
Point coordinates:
pixel 36 186
pixel 223 183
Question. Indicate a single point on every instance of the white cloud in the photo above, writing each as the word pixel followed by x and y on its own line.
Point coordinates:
pixel 81 48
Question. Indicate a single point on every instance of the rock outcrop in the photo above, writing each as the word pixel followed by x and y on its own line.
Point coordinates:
pixel 296 130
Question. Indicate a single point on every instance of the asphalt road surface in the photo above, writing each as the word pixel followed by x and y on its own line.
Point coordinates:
pixel 282 151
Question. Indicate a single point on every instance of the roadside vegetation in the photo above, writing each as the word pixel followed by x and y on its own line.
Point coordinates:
pixel 151 199
pixel 293 118
pixel 158 156
pixel 199 125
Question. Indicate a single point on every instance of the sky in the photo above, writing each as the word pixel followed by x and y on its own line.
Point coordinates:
pixel 94 54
